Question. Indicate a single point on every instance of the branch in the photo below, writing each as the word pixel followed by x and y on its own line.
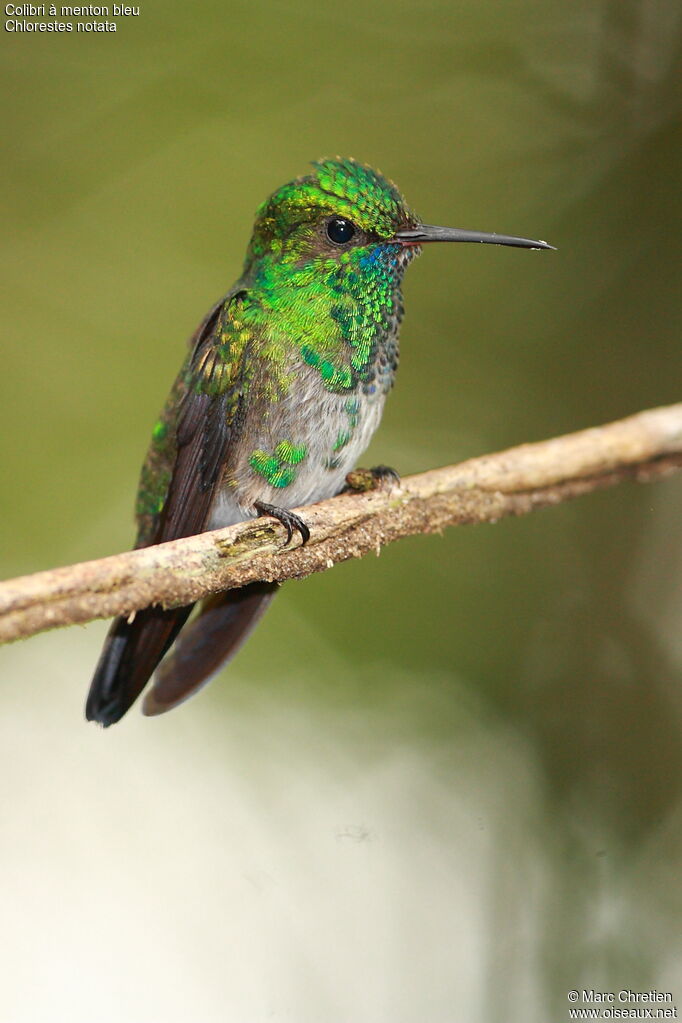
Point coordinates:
pixel 644 447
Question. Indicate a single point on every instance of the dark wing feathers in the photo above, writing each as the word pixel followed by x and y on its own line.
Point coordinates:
pixel 202 441
pixel 192 458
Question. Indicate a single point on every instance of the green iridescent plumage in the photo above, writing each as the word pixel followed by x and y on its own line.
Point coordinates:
pixel 278 468
pixel 217 369
pixel 298 294
pixel 342 187
pixel 281 391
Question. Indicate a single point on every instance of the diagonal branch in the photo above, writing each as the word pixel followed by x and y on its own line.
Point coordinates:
pixel 644 447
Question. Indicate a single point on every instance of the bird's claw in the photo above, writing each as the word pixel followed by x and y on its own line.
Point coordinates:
pixel 290 521
pixel 362 480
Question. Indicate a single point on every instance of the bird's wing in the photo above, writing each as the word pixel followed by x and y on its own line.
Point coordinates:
pixel 189 448
pixel 191 439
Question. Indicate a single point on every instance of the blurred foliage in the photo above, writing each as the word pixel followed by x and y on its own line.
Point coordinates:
pixel 525 676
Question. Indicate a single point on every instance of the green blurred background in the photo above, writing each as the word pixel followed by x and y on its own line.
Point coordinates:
pixel 445 785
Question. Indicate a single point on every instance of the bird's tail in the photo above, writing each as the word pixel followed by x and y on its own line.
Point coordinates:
pixel 211 639
pixel 132 650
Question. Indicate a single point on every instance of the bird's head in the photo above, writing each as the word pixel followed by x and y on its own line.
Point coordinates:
pixel 341 212
pixel 341 208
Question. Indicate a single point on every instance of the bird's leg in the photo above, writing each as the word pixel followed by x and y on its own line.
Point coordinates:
pixel 287 518
pixel 361 480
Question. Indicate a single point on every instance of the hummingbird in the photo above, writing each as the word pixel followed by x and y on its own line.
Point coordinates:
pixel 283 386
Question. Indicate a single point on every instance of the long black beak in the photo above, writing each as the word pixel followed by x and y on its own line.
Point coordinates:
pixel 427 233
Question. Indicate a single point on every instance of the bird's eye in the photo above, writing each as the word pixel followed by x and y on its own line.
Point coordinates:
pixel 340 230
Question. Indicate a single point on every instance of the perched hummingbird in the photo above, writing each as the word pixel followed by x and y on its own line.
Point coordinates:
pixel 282 388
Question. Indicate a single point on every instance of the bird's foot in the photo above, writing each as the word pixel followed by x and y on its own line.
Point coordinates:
pixel 379 476
pixel 290 521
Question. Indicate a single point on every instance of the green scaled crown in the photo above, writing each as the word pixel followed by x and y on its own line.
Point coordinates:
pixel 339 187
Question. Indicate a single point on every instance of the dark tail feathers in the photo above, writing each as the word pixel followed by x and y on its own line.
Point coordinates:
pixel 131 652
pixel 134 648
pixel 210 640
